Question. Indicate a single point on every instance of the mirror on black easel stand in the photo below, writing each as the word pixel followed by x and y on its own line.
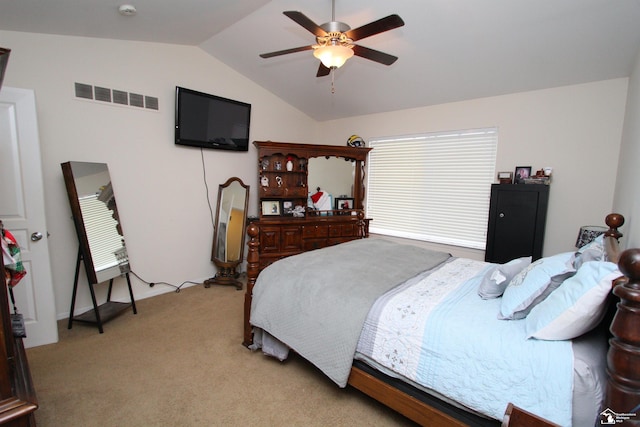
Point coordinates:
pixel 228 239
pixel 102 248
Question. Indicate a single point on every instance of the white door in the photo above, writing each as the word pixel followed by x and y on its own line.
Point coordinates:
pixel 22 212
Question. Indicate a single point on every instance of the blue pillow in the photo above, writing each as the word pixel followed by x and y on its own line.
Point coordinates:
pixel 533 284
pixel 577 306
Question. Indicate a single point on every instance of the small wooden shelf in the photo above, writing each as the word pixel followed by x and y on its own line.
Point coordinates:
pixel 100 313
pixel 107 311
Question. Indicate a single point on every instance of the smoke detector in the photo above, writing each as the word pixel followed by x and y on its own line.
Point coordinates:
pixel 127 10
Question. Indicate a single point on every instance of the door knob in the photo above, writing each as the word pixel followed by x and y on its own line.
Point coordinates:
pixel 501 215
pixel 36 236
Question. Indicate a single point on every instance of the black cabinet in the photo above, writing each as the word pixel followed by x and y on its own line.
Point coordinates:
pixel 517 217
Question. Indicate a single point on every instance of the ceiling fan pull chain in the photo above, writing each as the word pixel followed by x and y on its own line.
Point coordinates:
pixel 333 88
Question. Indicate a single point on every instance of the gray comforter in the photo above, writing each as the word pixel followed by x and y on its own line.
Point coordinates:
pixel 317 302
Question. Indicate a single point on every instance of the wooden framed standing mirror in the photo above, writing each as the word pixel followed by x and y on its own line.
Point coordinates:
pixel 228 239
pixel 101 241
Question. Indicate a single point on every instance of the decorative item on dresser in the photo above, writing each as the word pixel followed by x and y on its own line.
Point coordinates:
pixel 340 328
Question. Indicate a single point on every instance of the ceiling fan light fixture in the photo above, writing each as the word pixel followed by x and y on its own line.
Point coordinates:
pixel 333 56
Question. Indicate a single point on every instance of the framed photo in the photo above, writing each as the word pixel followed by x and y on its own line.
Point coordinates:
pixel 522 173
pixel 287 207
pixel 505 177
pixel 271 208
pixel 344 203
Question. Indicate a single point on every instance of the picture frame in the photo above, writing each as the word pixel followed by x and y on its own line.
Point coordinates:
pixel 271 208
pixel 344 203
pixel 521 173
pixel 505 177
pixel 287 207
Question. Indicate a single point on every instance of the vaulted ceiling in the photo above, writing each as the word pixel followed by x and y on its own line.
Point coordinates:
pixel 449 50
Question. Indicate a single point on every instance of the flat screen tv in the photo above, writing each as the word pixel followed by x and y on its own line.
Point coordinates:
pixel 210 121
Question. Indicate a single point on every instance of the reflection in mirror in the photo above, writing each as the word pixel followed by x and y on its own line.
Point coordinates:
pixel 95 215
pixel 334 175
pixel 228 239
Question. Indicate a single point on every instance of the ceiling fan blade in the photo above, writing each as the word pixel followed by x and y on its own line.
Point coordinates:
pixel 374 55
pixel 284 52
pixel 376 27
pixel 323 71
pixel 302 20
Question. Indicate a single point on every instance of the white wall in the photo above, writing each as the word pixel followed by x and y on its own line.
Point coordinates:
pixel 627 197
pixel 159 187
pixel 575 129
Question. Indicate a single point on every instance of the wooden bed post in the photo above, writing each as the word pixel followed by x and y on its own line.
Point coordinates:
pixel 253 268
pixel 623 358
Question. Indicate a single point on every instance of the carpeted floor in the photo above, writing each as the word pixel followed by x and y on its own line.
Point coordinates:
pixel 180 362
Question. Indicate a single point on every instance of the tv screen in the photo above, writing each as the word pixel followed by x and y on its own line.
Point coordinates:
pixel 210 121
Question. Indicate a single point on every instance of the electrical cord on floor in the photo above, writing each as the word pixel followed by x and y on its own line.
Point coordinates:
pixel 152 284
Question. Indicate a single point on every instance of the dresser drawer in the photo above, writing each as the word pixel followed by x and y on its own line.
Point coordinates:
pixel 315 231
pixel 312 244
pixel 291 238
pixel 343 230
pixel 269 239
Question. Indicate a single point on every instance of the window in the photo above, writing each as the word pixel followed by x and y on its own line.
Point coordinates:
pixel 433 187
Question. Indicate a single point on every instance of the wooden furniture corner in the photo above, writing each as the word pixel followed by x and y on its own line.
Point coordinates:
pixel 17 395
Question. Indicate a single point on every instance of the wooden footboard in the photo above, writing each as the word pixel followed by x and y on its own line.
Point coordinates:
pixel 623 358
pixel 253 269
pixel 623 390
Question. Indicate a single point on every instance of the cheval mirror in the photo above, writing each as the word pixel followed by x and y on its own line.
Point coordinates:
pixel 101 241
pixel 228 239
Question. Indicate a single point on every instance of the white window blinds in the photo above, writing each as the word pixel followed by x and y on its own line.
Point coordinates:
pixel 433 187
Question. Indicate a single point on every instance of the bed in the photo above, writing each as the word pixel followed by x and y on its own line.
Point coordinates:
pixel 452 341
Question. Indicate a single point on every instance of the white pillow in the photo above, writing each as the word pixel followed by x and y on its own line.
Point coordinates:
pixel 577 306
pixel 495 281
pixel 533 284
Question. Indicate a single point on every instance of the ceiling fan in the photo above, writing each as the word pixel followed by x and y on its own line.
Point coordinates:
pixel 335 40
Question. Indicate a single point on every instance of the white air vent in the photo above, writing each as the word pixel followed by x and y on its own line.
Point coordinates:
pixel 115 97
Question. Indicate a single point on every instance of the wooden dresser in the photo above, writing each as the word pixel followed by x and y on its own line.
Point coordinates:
pixel 282 237
pixel 17 396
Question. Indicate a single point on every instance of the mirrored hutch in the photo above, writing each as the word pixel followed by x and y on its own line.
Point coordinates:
pixel 287 224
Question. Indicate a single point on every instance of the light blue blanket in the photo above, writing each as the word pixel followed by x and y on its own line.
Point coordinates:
pixel 458 347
